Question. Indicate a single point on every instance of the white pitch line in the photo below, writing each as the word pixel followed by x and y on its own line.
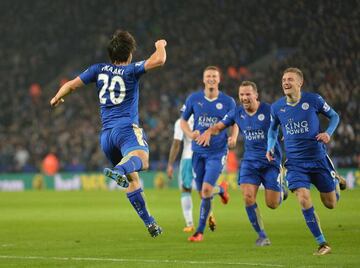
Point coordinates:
pixel 137 260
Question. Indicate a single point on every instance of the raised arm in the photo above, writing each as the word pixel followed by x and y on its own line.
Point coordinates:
pixel 65 90
pixel 158 58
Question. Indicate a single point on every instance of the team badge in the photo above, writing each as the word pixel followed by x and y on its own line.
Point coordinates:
pixel 219 106
pixel 261 117
pixel 305 106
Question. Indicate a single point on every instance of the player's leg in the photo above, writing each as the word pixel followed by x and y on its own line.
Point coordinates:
pixel 249 181
pixel 222 188
pixel 186 178
pixel 249 192
pixel 198 164
pixel 133 145
pixel 325 181
pixel 275 189
pixel 299 180
pixel 340 179
pixel 213 167
pixel 312 220
pixel 136 197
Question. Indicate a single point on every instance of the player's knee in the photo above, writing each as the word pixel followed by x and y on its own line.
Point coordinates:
pixel 330 204
pixel 249 199
pixel 272 205
pixel 186 190
pixel 145 164
pixel 206 192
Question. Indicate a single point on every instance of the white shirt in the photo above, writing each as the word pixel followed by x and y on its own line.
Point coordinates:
pixel 180 135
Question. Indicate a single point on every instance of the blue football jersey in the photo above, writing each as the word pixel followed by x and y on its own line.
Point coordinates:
pixel 206 114
pixel 300 124
pixel 118 91
pixel 254 129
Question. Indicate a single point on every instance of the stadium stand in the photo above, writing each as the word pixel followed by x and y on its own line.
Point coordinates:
pixel 55 41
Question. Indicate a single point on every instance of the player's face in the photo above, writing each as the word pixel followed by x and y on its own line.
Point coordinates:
pixel 248 97
pixel 291 83
pixel 211 79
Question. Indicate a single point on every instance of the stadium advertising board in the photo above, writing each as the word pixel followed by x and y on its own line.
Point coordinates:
pixel 98 182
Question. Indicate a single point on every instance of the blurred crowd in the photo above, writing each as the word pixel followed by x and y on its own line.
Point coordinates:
pixel 45 43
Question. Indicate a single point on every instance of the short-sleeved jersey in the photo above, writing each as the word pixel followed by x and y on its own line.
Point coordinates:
pixel 118 91
pixel 300 124
pixel 254 129
pixel 207 112
pixel 179 135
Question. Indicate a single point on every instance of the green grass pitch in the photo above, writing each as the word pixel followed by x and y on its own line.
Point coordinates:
pixel 100 229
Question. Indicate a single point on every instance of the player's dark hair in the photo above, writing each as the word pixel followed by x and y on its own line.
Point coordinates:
pixel 296 71
pixel 120 46
pixel 249 83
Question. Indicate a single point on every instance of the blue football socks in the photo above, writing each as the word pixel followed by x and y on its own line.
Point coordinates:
pixel 129 164
pixel 137 200
pixel 205 208
pixel 313 223
pixel 255 220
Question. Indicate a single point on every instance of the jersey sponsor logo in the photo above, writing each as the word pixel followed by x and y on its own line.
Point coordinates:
pixel 200 104
pixel 326 107
pixel 219 106
pixel 293 128
pixel 261 117
pixel 333 174
pixel 305 106
pixel 282 110
pixel 242 116
pixel 207 121
pixel 256 134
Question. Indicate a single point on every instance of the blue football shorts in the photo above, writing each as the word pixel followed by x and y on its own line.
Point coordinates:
pixel 257 172
pixel 119 141
pixel 207 167
pixel 320 173
pixel 186 173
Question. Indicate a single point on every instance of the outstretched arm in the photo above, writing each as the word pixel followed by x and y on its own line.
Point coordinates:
pixel 65 90
pixel 334 121
pixel 174 151
pixel 271 141
pixel 204 139
pixel 234 132
pixel 158 58
pixel 187 130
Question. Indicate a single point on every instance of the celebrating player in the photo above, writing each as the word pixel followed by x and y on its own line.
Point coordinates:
pixel 307 162
pixel 122 140
pixel 208 107
pixel 253 119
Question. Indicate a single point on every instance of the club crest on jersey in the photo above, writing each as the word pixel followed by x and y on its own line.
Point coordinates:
pixel 261 117
pixel 219 106
pixel 305 106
